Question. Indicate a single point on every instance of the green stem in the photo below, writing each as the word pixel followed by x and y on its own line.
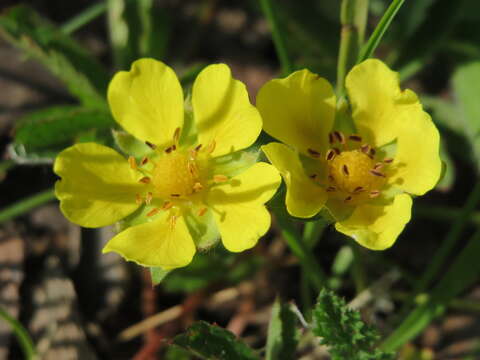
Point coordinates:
pixel 84 18
pixel 357 270
pixel 353 18
pixel 278 39
pixel 450 240
pixel 22 335
pixel 443 213
pixel 24 205
pixel 301 251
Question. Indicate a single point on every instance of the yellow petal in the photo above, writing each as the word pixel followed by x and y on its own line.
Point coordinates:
pixel 238 206
pixel 377 227
pixel 98 186
pixel 417 165
pixel 304 198
pixel 376 100
pixel 223 112
pixel 155 243
pixel 147 101
pixel 298 110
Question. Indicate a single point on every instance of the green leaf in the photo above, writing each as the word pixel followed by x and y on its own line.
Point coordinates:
pixel 130 145
pixel 372 43
pixel 462 274
pixel 158 274
pixel 343 330
pixel 60 126
pixel 84 77
pixel 283 335
pixel 214 343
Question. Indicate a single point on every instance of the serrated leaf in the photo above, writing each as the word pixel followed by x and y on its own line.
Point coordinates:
pixel 343 330
pixel 158 274
pixel 214 343
pixel 283 334
pixel 60 126
pixel 80 72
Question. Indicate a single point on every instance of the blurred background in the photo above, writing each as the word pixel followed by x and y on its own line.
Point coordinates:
pixel 56 58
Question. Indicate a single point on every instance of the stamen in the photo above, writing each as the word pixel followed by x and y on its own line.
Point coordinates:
pixel 153 212
pixel 337 150
pixel 150 145
pixel 331 189
pixel 172 220
pixel 167 205
pixel 377 173
pixel 347 199
pixel 198 147
pixel 132 162
pixel 331 138
pixel 169 150
pixel 330 154
pixel 176 135
pixel 174 147
pixel 372 152
pixel 365 148
pixel 345 170
pixel 197 187
pixel 192 168
pixel 313 176
pixel 357 138
pixel 358 189
pixel 219 178
pixel 314 153
pixel 340 137
pixel 211 147
pixel 175 195
pixel 374 193
pixel 148 198
pixel 144 161
pixel 388 160
pixel 378 166
pixel 331 178
pixel 145 180
pixel 202 211
pixel 138 199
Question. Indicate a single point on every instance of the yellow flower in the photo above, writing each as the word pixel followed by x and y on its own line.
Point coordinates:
pixel 188 182
pixel 363 172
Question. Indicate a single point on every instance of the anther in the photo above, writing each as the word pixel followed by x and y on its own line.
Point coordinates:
pixel 388 160
pixel 132 162
pixel 148 198
pixel 330 154
pixel 176 135
pixel 174 147
pixel 313 176
pixel 377 173
pixel 144 161
pixel 374 193
pixel 153 212
pixel 198 147
pixel 314 153
pixel 340 137
pixel 138 199
pixel 365 148
pixel 358 189
pixel 175 195
pixel 202 211
pixel 145 180
pixel 211 147
pixel 150 145
pixel 169 149
pixel 337 150
pixel 219 178
pixel 372 152
pixel 167 205
pixel 357 138
pixel 345 170
pixel 331 178
pixel 331 189
pixel 331 138
pixel 197 187
pixel 378 166
pixel 347 199
pixel 192 169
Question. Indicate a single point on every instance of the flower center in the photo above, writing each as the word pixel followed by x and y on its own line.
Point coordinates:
pixel 350 172
pixel 175 175
pixel 354 172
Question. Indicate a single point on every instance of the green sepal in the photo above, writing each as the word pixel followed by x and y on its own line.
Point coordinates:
pixel 130 145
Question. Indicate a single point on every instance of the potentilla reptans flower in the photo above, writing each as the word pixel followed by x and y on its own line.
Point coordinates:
pixel 189 185
pixel 362 169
